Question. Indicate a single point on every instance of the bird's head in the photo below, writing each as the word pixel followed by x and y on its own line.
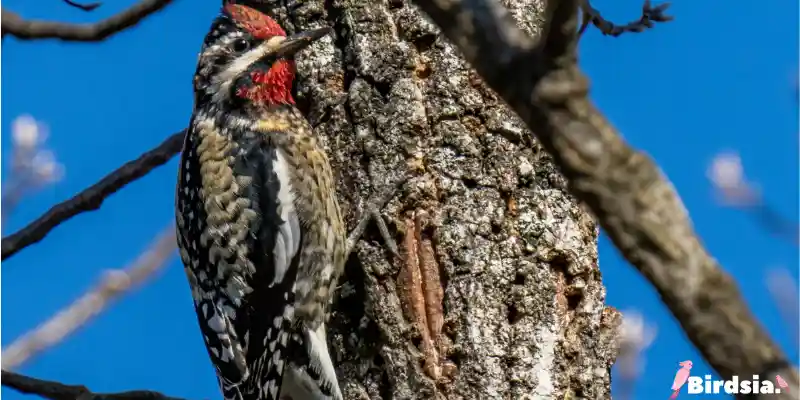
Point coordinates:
pixel 248 58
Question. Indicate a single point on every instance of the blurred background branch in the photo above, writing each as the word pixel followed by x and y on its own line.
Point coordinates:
pixel 636 335
pixel 33 165
pixel 783 289
pixel 115 283
pixel 734 190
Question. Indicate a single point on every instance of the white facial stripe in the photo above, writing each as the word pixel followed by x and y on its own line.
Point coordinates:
pixel 223 81
pixel 273 42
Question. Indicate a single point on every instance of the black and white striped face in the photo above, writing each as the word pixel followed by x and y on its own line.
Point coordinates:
pixel 230 50
pixel 247 55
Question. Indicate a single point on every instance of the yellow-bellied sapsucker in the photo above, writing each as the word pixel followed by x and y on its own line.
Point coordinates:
pixel 260 232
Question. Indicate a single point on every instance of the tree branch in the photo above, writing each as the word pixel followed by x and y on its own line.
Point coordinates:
pixel 114 284
pixel 59 391
pixel 624 189
pixel 15 25
pixel 91 198
pixel 650 15
pixel 83 7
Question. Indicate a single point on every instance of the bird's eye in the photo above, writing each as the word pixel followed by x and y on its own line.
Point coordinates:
pixel 240 45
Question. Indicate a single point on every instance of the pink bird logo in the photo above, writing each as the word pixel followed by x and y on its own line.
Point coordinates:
pixel 680 378
pixel 782 383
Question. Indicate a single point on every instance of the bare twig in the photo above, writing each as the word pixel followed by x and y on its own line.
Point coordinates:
pixel 783 289
pixel 624 189
pixel 18 27
pixel 650 15
pixel 636 335
pixel 114 284
pixel 84 7
pixel 727 175
pixel 91 198
pixel 32 166
pixel 59 391
pixel 776 223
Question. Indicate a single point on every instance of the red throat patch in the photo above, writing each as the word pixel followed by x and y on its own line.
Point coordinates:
pixel 257 23
pixel 272 87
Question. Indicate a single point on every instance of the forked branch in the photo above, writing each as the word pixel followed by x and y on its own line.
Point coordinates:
pixel 649 16
pixel 21 28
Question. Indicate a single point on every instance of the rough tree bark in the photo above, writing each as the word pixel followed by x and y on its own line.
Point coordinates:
pixel 391 98
pixel 500 295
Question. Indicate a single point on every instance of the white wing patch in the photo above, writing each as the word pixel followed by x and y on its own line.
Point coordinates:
pixel 287 243
pixel 299 385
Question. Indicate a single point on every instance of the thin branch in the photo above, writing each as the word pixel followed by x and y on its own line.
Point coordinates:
pixel 59 391
pixel 91 198
pixel 727 175
pixel 635 336
pixel 83 7
pixel 776 223
pixel 650 15
pixel 113 285
pixel 16 26
pixel 782 287
pixel 625 190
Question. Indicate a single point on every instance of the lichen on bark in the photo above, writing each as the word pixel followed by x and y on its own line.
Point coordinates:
pixel 523 303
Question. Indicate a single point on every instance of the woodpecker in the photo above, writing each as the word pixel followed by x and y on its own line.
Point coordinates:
pixel 259 228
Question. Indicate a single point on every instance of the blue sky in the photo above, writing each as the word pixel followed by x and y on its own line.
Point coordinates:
pixel 719 77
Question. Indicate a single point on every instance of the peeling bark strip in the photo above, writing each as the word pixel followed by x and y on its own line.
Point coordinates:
pixel 422 294
pixel 431 283
pixel 388 96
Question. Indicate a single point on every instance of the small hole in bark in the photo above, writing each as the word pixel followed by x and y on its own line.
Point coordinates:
pixel 519 279
pixel 513 314
pixel 470 183
pixel 395 4
pixel 424 42
pixel 574 300
pixel 497 228
pixel 510 362
pixel 416 341
pixel 455 357
pixel 377 360
pixel 383 88
pixel 560 263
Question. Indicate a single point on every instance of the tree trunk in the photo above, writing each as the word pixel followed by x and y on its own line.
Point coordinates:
pixel 498 293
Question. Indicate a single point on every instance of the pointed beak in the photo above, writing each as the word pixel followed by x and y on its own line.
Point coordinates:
pixel 300 41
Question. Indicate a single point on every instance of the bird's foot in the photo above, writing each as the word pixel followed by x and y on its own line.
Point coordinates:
pixel 372 211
